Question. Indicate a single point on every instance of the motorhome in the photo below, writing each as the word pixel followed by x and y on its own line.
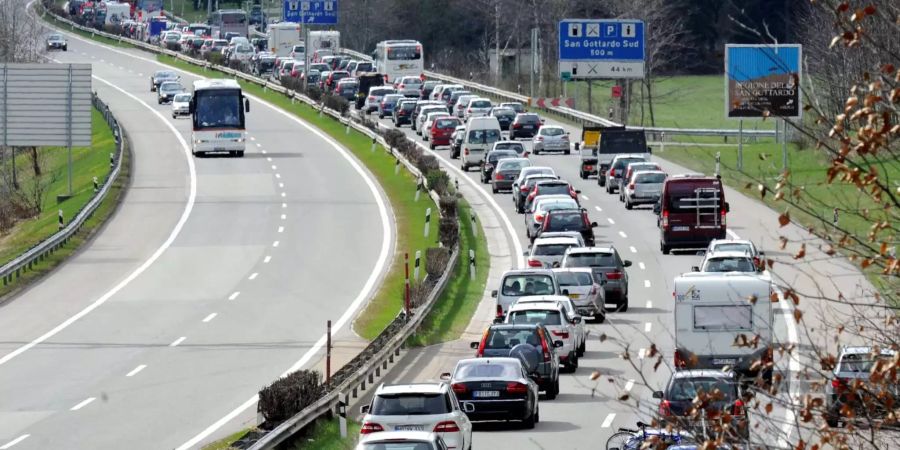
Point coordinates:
pixel 283 37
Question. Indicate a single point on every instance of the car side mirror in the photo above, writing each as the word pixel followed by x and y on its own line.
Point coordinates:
pixel 649 149
pixel 526 253
pixel 658 394
pixel 468 407
pixel 656 208
pixel 576 320
pixel 594 225
pixel 727 207
pixel 695 268
pixel 627 263
pixel 246 105
pixel 474 345
pixel 445 376
pixel 364 409
pixel 494 293
pixel 565 292
pixel 577 191
pixel 498 320
pixel 557 344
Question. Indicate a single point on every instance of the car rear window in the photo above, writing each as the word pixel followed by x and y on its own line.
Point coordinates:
pixel 519 148
pixel 858 362
pixel 624 162
pixel 364 67
pixel 574 278
pixel 552 131
pixel 729 264
pixel 554 205
pixel 487 136
pixel 497 156
pixel 480 104
pixel 565 221
pixel 408 106
pixel 686 197
pixel 687 389
pixel 650 178
pixel 528 118
pixel 417 404
pixel 591 260
pixel 519 285
pixel 509 338
pixel 512 165
pixel 732 247
pixel 551 249
pixel 447 123
pixel 546 317
pixel 553 189
pixel 380 92
pixel 481 369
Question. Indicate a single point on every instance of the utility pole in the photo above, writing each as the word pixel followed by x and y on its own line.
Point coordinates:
pixel 497 44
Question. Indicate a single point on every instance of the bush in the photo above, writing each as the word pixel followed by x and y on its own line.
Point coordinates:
pixel 215 58
pixel 448 206
pixel 113 29
pixel 287 396
pixel 436 259
pixel 337 103
pixel 426 163
pixel 438 181
pixel 448 231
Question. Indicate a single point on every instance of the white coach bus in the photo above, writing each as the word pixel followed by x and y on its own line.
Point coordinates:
pixel 399 58
pixel 218 110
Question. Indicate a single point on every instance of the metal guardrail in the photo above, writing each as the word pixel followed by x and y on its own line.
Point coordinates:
pixel 24 262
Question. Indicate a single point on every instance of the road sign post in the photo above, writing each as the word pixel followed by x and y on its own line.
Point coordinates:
pixel 601 48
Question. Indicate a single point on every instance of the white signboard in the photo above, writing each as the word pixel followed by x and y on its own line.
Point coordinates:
pixel 45 105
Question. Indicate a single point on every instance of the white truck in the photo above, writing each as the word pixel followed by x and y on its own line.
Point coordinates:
pixel 715 313
pixel 318 40
pixel 283 36
pixel 117 13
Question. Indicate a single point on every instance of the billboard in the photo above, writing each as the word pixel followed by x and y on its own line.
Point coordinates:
pixel 601 48
pixel 45 105
pixel 761 80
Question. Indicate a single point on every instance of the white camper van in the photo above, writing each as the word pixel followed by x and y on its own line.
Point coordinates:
pixel 713 310
pixel 324 40
pixel 283 37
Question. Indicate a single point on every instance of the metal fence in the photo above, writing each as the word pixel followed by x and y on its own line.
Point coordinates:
pixel 12 270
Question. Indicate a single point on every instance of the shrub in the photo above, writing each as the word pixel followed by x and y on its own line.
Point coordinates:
pixel 215 58
pixel 438 181
pixel 287 396
pixel 426 163
pixel 436 259
pixel 337 103
pixel 448 206
pixel 394 137
pixel 448 231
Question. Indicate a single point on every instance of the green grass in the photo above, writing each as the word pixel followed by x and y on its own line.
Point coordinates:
pixel 225 443
pixel 102 137
pixel 400 188
pixel 326 435
pixel 185 10
pixel 456 305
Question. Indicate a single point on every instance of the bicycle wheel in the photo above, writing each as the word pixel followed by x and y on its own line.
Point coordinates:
pixel 619 440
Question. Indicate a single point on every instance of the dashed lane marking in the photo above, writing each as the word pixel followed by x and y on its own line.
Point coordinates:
pixel 210 317
pixel 178 341
pixel 83 403
pixel 253 276
pixel 646 283
pixel 608 420
pixel 234 295
pixel 15 441
pixel 629 385
pixel 647 327
pixel 136 370
pixel 611 222
pixel 633 250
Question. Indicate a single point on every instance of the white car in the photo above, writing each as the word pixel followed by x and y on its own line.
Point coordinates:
pixel 409 86
pixel 181 104
pixel 571 314
pixel 423 114
pixel 401 440
pixel 375 96
pixel 554 317
pixel 541 204
pixel 738 245
pixel 429 121
pixel 727 261
pixel 419 407
pixel 459 110
pixel 548 253
pixel 242 53
pixel 478 107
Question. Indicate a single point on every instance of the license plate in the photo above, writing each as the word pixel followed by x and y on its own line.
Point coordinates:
pixel 681 228
pixel 410 428
pixel 219 149
pixel 574 296
pixel 486 394
pixel 724 361
pixel 527 127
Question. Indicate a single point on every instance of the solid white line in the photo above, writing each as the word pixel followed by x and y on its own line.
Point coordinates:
pixel 83 403
pixel 732 233
pixel 629 385
pixel 646 283
pixel 136 370
pixel 622 233
pixel 210 317
pixel 647 327
pixel 642 352
pixel 633 250
pixel 642 266
pixel 15 441
pixel 281 229
pixel 234 295
pixel 178 341
pixel 267 259
pixel 275 244
pixel 649 304
pixel 253 276
pixel 611 222
pixel 585 197
pixel 608 420
pixel 188 207
pixel 599 209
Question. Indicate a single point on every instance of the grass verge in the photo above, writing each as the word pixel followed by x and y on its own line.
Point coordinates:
pixel 185 10
pixel 400 189
pixel 454 308
pixel 326 435
pixel 101 149
pixel 225 443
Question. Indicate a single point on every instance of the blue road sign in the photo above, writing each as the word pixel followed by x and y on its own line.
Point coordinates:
pixel 313 12
pixel 601 48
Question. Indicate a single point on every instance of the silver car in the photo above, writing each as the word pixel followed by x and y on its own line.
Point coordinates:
pixel 167 91
pixel 645 186
pixel 586 291
pixel 459 109
pixel 605 262
pixel 409 86
pixel 519 283
pixel 551 138
pixel 478 107
pixel 534 217
pixel 375 96
pixel 548 252
pixel 181 105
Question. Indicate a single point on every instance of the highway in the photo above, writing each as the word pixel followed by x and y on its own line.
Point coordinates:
pixel 215 276
pixel 587 412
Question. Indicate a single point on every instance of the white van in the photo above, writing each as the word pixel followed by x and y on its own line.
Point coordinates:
pixel 713 310
pixel 481 133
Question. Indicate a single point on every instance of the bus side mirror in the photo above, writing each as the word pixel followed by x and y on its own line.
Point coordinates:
pixel 246 105
pixel 727 207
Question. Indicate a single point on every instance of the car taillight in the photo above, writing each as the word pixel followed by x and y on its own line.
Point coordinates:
pixel 499 311
pixel 562 334
pixel 612 172
pixel 467 151
pixel 534 263
pixel 517 125
pixel 513 387
pixel 523 188
pixel 723 218
pixel 370 427
pixel 665 219
pixel 679 360
pixel 371 98
pixel 447 426
pixel 572 193
pixel 838 385
pixel 738 408
pixel 614 276
pixel 402 86
pixel 665 408
pixel 538 217
pixel 631 186
pixel 539 139
pixel 545 349
pixel 593 289
pixel 498 176
pixel 459 388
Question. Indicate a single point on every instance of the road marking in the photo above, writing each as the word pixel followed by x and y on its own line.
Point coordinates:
pixel 258 145
pixel 136 370
pixel 281 185
pixel 15 441
pixel 608 420
pixel 629 385
pixel 599 209
pixel 275 244
pixel 585 197
pixel 611 222
pixel 647 327
pixel 641 353
pixel 269 158
pixel 284 205
pixel 732 233
pixel 253 276
pixel 622 233
pixel 277 175
pixel 234 295
pixel 263 151
pixel 633 250
pixel 189 206
pixel 284 194
pixel 178 341
pixel 283 216
pixel 83 403
pixel 210 317
pixel 252 138
pixel 649 304
pixel 642 266
pixel 267 259
pixel 646 283
pixel 281 229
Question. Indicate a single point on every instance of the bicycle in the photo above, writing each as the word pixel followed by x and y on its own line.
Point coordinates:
pixel 630 439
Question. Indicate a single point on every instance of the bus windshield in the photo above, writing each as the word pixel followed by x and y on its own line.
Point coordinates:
pixel 218 108
pixel 407 52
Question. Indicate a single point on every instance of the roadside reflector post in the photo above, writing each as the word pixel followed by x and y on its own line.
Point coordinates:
pixel 406 294
pixel 472 263
pixel 457 184
pixel 740 155
pixel 662 141
pixel 342 414
pixel 418 189
pixel 373 144
pixel 474 223
pixel 61 224
pixel 348 127
pixel 96 185
pixel 112 160
pixel 718 162
pixel 427 221
pixel 328 354
pixel 835 217
pixel 418 261
pixel 397 166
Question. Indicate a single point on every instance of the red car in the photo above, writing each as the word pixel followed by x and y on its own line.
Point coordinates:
pixel 441 130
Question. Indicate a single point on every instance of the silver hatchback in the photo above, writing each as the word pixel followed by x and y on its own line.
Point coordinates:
pixel 585 289
pixel 645 186
pixel 551 138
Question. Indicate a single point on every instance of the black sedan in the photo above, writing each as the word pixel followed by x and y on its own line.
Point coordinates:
pixel 161 76
pixel 499 388
pixel 692 395
pixel 57 42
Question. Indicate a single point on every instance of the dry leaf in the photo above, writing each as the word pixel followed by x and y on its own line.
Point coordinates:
pixel 784 218
pixel 624 397
pixel 595 375
pixel 602 337
pixel 768 408
pixel 798 315
pixel 800 254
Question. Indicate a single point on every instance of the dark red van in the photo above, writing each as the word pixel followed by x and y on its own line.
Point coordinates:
pixel 692 211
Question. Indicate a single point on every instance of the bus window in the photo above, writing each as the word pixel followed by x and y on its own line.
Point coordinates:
pixel 405 53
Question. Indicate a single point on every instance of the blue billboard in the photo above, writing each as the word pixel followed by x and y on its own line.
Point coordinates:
pixel 762 80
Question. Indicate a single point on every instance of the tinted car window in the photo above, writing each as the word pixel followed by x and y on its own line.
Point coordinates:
pixel 512 165
pixel 551 189
pixel 551 249
pixel 518 285
pixel 508 338
pixel 574 279
pixel 650 178
pixel 447 123
pixel 590 260
pixel 484 136
pixel 546 317
pixel 496 156
pixel 686 389
pixel 858 362
pixel 729 265
pixel 408 106
pixel 510 145
pixel 409 404
pixel 622 163
pixel 552 131
pixel 528 118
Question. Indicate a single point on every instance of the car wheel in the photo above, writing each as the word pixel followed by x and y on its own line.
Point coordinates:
pixel 463 167
pixel 623 306
pixel 567 152
pixel 664 248
pixel 572 362
pixel 582 348
pixel 582 175
pixel 553 390
pixel 159 100
pixel 628 204
pixel 528 422
pixel 537 152
pixel 599 317
pixel 431 145
pixel 240 154
pixel 174 116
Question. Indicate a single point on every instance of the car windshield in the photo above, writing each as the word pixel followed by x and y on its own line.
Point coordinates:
pixel 55 37
pixel 488 136
pixel 551 249
pixel 650 178
pixel 596 259
pixel 413 404
pixel 168 87
pixel 686 389
pixel 519 285
pixel 729 264
pixel 574 278
pixel 552 131
pixel 481 370
pixel 509 338
pixel 165 75
pixel 183 98
pixel 364 67
pixel 546 317
pixel 218 109
pixel 512 165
